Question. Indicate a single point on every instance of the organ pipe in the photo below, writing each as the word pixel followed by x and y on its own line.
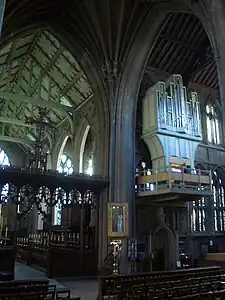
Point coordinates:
pixel 176 110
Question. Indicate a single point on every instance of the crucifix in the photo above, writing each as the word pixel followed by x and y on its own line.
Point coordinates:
pixel 38 159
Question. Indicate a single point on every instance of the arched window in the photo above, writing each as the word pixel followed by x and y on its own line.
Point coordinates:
pixel 4 160
pixel 198 211
pixel 213 125
pixel 90 168
pixel 199 215
pixel 218 202
pixel 64 166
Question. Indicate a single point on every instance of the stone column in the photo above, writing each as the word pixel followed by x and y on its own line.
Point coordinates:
pixel 119 77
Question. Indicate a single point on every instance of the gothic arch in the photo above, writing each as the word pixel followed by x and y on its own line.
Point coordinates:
pixel 62 149
pixel 4 157
pixel 219 173
pixel 82 148
pixel 59 146
pixel 126 100
pixel 86 63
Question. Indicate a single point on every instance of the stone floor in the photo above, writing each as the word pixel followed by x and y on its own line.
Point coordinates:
pixel 84 288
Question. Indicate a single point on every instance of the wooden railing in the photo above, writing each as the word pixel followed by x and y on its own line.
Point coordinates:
pixel 174 179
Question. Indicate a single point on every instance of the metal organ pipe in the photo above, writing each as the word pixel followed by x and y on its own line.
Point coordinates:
pixel 198 116
pixel 163 97
pixel 185 109
pixel 194 115
pixel 176 110
pixel 176 107
pixel 183 106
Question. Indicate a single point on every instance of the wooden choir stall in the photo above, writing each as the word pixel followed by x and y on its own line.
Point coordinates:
pixel 68 249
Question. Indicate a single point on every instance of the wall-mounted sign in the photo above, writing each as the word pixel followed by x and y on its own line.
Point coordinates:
pixel 117 219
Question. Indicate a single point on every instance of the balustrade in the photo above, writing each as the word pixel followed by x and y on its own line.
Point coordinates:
pixel 61 239
pixel 173 179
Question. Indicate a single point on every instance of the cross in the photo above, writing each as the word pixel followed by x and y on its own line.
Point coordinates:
pixel 39 158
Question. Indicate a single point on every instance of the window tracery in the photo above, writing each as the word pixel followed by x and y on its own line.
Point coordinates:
pixel 199 215
pixel 213 125
pixel 65 166
pixel 199 211
pixel 218 203
pixel 90 168
pixel 4 161
pixel 200 208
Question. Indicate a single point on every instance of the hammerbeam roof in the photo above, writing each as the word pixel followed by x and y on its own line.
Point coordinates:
pixel 37 71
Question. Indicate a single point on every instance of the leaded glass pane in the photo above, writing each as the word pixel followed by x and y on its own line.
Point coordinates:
pixel 218 202
pixel 193 220
pixel 203 220
pixel 4 160
pixel 65 166
pixel 212 124
pixel 215 221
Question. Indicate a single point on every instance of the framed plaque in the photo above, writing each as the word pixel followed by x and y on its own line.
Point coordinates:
pixel 117 220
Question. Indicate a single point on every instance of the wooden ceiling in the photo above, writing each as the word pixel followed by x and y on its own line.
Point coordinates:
pixel 37 71
pixel 37 66
pixel 183 47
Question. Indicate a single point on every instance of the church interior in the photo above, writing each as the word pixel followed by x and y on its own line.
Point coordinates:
pixel 112 149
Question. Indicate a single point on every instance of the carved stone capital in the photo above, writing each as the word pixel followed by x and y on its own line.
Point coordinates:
pixel 111 70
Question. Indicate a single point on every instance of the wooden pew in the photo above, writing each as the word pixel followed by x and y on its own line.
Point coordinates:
pixel 49 295
pixel 7 263
pixel 32 290
pixel 160 285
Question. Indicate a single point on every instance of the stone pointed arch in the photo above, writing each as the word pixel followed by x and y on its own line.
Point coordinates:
pixel 82 148
pixel 87 66
pixel 58 148
pixel 126 101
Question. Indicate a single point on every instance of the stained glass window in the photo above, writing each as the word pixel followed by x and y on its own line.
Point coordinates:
pixel 213 125
pixel 90 168
pixel 199 211
pixel 64 166
pixel 218 202
pixel 198 215
pixel 4 161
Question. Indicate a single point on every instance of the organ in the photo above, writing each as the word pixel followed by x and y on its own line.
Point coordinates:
pixel 172 131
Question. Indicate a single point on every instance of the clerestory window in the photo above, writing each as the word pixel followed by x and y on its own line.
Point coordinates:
pixel 213 125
